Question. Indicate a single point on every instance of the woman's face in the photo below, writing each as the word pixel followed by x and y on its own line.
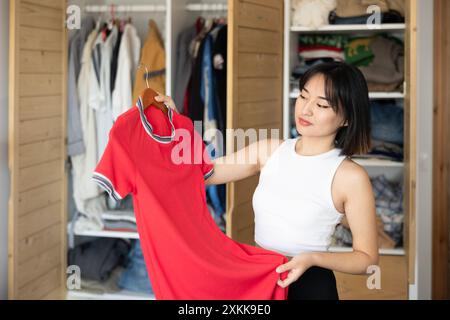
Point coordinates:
pixel 314 115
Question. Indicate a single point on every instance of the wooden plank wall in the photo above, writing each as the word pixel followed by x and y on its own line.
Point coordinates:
pixel 37 117
pixel 394 282
pixel 255 88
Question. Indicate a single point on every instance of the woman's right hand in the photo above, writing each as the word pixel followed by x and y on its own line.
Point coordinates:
pixel 167 100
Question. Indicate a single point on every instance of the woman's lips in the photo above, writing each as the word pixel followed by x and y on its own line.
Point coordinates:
pixel 304 123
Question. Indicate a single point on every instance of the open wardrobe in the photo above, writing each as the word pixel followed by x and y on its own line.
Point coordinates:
pixel 76 66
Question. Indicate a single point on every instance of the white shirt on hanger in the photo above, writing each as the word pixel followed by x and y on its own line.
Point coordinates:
pixel 128 60
pixel 88 197
pixel 100 89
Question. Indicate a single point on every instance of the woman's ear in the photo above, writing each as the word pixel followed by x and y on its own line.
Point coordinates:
pixel 345 123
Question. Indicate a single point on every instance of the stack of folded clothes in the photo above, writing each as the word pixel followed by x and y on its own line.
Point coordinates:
pixel 342 236
pixel 380 58
pixel 358 51
pixel 110 265
pixel 98 259
pixel 316 49
pixel 119 220
pixel 318 13
pixel 385 72
pixel 360 12
pixel 300 69
pixel 322 46
pixel 389 209
pixel 311 13
pixel 387 131
pixel 135 275
pixel 389 206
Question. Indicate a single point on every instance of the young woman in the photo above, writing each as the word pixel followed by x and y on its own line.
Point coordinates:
pixel 308 184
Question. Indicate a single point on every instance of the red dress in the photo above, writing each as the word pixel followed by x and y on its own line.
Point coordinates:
pixel 158 159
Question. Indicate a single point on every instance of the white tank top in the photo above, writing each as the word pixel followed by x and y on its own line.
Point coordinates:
pixel 294 209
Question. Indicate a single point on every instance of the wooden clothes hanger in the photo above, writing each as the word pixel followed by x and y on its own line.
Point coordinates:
pixel 148 95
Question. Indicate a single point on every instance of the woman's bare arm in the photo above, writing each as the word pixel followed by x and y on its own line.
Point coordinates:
pixel 239 165
pixel 243 163
pixel 360 213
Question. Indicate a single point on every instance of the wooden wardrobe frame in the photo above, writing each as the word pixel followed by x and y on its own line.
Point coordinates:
pixel 37 204
pixel 42 236
pixel 441 150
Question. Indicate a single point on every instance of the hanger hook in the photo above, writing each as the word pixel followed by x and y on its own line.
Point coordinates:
pixel 146 74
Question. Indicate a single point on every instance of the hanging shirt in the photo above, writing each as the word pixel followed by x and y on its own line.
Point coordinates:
pixel 100 82
pixel 75 142
pixel 207 93
pixel 211 132
pixel 88 197
pixel 196 108
pixel 159 160
pixel 220 73
pixel 183 65
pixel 128 59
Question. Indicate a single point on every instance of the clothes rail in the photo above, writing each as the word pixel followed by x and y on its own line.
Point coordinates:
pixel 154 8
pixel 125 8
pixel 206 7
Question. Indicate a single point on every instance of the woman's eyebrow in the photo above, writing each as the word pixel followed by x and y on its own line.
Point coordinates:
pixel 323 98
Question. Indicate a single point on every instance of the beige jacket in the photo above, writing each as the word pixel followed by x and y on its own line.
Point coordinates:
pixel 153 56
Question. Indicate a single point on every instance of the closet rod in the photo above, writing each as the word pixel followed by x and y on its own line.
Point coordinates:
pixel 206 7
pixel 154 8
pixel 125 8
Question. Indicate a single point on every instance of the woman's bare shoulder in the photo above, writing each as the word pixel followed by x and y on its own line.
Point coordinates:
pixel 351 175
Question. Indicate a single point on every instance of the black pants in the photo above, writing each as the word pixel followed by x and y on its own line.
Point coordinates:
pixel 315 284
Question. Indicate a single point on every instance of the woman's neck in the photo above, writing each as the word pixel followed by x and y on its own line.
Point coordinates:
pixel 311 146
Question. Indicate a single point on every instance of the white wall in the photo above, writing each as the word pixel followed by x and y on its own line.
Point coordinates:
pixel 4 171
pixel 422 289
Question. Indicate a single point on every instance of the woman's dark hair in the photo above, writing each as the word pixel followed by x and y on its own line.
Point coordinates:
pixel 347 92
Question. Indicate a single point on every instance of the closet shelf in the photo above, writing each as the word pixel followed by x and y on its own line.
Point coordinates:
pixel 351 28
pixel 381 251
pixel 373 162
pixel 120 295
pixel 108 234
pixel 386 95
pixel 372 95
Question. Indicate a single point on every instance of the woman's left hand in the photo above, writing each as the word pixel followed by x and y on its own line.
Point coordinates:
pixel 296 267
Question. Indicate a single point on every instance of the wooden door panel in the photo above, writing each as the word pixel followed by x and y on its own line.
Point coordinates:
pixel 254 89
pixel 394 284
pixel 37 135
pixel 257 113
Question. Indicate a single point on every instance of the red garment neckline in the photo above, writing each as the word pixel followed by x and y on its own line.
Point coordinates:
pixel 148 127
